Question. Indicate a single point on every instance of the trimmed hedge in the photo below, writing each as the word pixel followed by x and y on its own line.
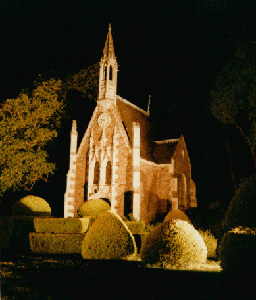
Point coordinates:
pixel 237 250
pixel 108 238
pixel 31 206
pixel 174 242
pixel 242 208
pixel 93 208
pixel 62 225
pixel 15 233
pixel 56 243
pixel 136 227
pixel 177 214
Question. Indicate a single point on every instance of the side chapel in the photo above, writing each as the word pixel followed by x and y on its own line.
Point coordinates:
pixel 119 161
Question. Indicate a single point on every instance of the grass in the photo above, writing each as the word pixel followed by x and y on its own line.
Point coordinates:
pixel 62 277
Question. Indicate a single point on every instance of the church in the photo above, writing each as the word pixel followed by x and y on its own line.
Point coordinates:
pixel 118 160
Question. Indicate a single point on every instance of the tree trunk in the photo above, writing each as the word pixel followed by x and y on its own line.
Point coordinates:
pixel 231 166
pixel 251 148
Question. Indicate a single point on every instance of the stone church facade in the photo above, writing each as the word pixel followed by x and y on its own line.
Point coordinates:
pixel 118 160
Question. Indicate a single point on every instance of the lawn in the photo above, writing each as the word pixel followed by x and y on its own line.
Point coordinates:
pixel 70 277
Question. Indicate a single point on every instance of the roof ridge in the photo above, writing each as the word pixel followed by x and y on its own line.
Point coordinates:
pixel 133 105
pixel 167 141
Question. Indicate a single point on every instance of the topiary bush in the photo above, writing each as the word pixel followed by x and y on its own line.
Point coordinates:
pixel 56 243
pixel 108 238
pixel 136 227
pixel 237 250
pixel 14 233
pixel 242 209
pixel 177 214
pixel 93 208
pixel 174 242
pixel 210 242
pixel 31 206
pixel 62 225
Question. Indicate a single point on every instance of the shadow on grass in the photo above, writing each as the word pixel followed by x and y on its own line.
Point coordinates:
pixel 70 277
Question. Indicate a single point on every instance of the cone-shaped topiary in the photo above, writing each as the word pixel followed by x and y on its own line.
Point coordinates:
pixel 174 242
pixel 93 208
pixel 237 250
pixel 177 214
pixel 242 208
pixel 108 238
pixel 31 206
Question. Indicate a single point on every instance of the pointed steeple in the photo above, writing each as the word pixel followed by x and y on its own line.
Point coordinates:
pixel 108 51
pixel 108 72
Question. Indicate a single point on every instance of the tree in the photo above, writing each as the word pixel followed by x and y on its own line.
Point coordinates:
pixel 85 81
pixel 27 126
pixel 234 96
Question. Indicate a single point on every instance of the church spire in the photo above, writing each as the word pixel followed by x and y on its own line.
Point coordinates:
pixel 108 71
pixel 108 51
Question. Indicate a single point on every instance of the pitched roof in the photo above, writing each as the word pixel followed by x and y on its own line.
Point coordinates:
pixel 164 150
pixel 131 113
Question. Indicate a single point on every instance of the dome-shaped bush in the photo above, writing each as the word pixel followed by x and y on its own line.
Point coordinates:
pixel 237 250
pixel 242 209
pixel 31 206
pixel 93 208
pixel 108 238
pixel 177 214
pixel 174 242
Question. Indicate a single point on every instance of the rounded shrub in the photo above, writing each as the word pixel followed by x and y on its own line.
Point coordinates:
pixel 174 242
pixel 108 238
pixel 242 208
pixel 31 206
pixel 93 208
pixel 237 250
pixel 177 214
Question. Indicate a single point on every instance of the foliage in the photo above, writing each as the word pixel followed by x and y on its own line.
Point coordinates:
pixel 210 242
pixel 56 243
pixel 85 81
pixel 237 250
pixel 242 209
pixel 177 214
pixel 14 233
pixel 31 206
pixel 234 96
pixel 129 217
pixel 62 225
pixel 27 125
pixel 93 208
pixel 174 242
pixel 108 238
pixel 136 226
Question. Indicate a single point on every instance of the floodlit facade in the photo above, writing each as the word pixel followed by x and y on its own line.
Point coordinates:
pixel 118 160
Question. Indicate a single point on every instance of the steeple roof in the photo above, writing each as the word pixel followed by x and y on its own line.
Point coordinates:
pixel 108 51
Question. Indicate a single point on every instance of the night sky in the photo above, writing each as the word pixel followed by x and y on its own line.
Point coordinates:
pixel 172 50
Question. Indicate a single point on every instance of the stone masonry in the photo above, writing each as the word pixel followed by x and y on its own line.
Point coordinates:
pixel 117 159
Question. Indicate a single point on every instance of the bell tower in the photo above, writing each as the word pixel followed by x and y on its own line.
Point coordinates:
pixel 108 71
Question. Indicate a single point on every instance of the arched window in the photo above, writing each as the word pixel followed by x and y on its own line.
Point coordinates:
pixel 108 172
pixel 106 73
pixel 96 178
pixel 110 73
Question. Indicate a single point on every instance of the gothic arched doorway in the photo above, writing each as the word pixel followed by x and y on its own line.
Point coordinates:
pixel 128 197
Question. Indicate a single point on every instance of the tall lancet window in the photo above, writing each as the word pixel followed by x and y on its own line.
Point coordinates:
pixel 106 73
pixel 96 178
pixel 108 172
pixel 110 73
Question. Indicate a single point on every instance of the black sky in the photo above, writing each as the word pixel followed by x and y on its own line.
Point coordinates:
pixel 172 50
